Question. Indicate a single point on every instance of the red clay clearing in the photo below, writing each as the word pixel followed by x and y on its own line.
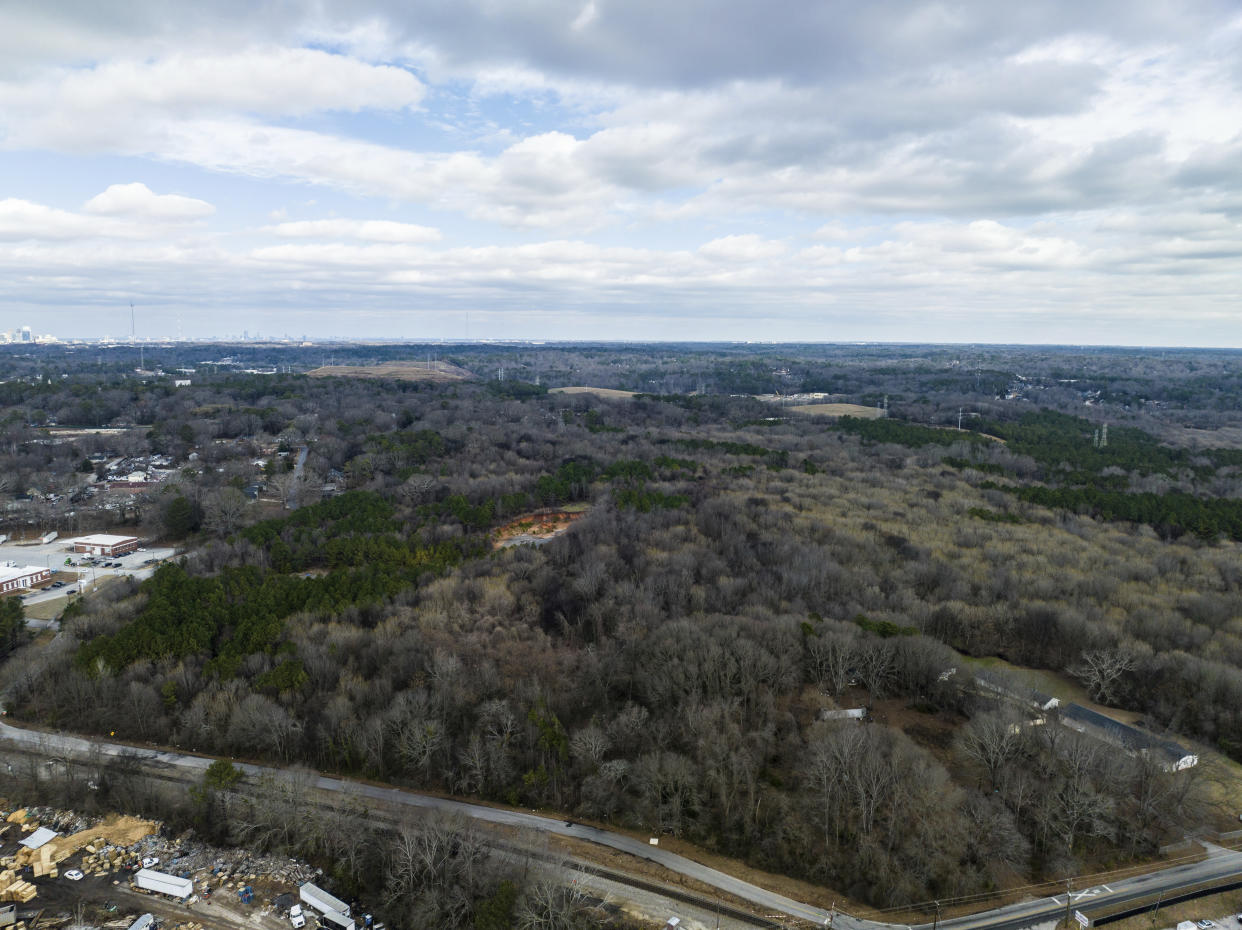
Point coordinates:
pixel 532 526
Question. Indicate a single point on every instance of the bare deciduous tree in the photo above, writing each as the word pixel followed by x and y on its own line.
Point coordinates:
pixel 992 739
pixel 1100 671
pixel 223 509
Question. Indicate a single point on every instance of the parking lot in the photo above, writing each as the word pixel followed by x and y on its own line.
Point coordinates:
pixel 77 573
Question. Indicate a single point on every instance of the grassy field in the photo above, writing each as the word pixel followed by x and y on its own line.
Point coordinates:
pixel 837 410
pixel 397 371
pixel 599 392
pixel 51 609
pixel 46 610
pixel 1059 686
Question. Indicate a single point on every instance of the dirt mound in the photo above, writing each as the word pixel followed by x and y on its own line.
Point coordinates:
pixel 123 830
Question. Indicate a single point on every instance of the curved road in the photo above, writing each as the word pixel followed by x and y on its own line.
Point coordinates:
pixel 1222 864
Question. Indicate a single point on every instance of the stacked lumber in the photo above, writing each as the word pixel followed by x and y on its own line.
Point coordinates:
pixel 101 859
pixel 41 861
pixel 20 891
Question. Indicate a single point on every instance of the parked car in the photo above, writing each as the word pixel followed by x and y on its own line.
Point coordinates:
pixel 150 862
pixel 74 875
pixel 1204 924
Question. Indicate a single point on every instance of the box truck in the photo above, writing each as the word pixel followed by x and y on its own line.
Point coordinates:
pixel 321 901
pixel 150 880
pixel 333 920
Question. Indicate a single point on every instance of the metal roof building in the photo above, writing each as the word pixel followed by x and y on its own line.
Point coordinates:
pixel 14 577
pixel 1172 756
pixel 105 545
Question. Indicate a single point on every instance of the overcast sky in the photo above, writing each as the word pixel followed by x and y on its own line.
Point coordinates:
pixel 624 169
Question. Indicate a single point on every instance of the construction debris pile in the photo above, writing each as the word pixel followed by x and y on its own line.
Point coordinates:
pixel 224 883
pixel 45 848
pixel 226 868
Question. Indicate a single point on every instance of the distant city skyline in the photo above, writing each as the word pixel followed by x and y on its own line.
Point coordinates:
pixel 1063 173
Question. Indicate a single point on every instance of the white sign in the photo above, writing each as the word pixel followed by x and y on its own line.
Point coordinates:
pixel 1082 918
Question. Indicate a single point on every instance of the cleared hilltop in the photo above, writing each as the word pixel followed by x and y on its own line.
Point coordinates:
pixel 438 371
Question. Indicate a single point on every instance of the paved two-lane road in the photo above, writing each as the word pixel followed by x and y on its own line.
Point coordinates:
pixel 1224 864
pixel 62 743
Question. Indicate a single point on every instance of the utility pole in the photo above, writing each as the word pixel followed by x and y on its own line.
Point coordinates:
pixel 959 419
pixel 936 922
pixel 1069 884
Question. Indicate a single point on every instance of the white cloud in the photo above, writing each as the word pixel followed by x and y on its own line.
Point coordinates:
pixel 368 230
pixel 137 200
pixel 1073 155
pixel 131 105
pixel 590 13
pixel 744 248
pixel 539 182
pixel 22 219
pixel 969 138
pixel 970 269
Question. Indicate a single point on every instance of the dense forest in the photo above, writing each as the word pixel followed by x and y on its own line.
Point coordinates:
pixel 739 569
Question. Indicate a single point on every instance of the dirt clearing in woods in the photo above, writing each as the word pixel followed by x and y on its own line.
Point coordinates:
pixel 599 392
pixel 535 527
